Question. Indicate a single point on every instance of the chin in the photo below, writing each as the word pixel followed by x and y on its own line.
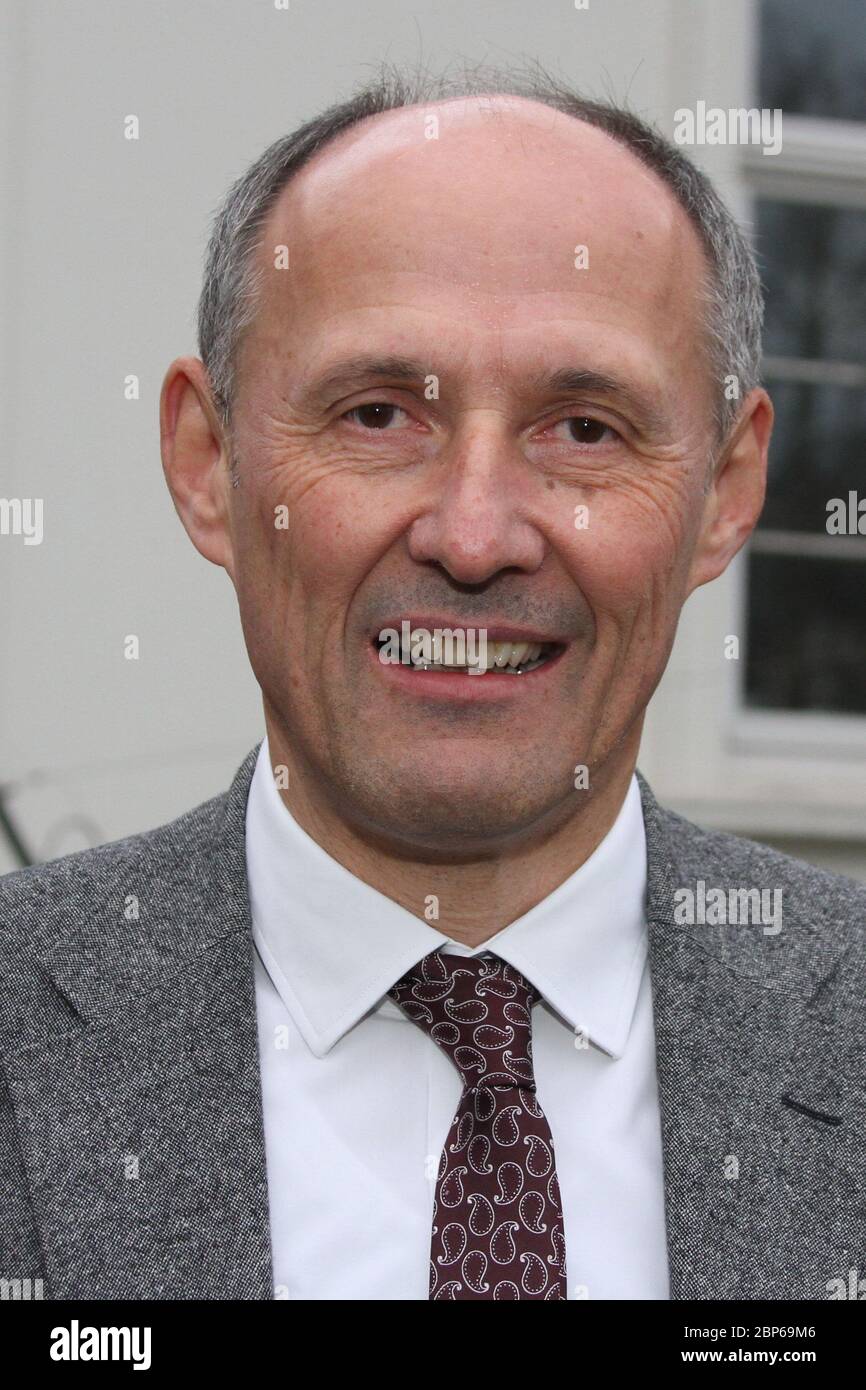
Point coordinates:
pixel 471 812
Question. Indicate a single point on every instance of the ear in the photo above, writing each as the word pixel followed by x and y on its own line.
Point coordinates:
pixel 736 493
pixel 195 459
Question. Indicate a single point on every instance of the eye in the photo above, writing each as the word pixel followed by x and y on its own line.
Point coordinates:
pixel 585 429
pixel 374 415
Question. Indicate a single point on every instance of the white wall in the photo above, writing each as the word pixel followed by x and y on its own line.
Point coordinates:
pixel 102 243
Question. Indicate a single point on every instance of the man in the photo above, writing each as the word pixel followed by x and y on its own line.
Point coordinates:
pixel 436 1002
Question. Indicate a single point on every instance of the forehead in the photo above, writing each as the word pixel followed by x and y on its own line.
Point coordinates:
pixel 485 219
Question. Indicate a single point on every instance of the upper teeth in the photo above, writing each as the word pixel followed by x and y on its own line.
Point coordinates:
pixel 512 653
pixel 499 654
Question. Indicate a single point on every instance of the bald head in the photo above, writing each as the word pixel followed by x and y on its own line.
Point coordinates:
pixel 533 222
pixel 732 306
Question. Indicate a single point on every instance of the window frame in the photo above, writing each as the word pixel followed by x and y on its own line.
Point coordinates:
pixel 719 761
pixel 822 161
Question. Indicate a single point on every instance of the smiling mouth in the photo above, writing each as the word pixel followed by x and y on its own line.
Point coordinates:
pixel 502 658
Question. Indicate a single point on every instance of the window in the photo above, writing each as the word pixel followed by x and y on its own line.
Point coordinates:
pixel 770 741
pixel 806 564
pixel 813 58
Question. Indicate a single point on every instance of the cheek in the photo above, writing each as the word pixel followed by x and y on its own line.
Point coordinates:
pixel 335 538
pixel 630 564
pixel 305 551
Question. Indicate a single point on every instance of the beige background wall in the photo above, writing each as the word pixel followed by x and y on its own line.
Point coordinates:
pixel 102 242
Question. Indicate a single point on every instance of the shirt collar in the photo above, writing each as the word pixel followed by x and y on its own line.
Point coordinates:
pixel 333 945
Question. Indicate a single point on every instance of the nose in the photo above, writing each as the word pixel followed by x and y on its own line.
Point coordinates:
pixel 478 519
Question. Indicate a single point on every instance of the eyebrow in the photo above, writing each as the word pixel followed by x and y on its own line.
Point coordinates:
pixel 571 381
pixel 354 372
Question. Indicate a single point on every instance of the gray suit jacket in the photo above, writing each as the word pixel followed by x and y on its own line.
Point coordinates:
pixel 131 1039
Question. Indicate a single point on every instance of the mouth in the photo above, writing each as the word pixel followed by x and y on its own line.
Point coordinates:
pixel 484 661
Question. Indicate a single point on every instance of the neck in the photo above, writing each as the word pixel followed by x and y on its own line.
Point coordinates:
pixel 468 901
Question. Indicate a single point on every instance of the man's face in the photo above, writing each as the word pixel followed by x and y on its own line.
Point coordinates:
pixel 482 492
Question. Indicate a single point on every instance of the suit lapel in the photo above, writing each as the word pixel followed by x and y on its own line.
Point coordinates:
pixel 757 1203
pixel 141 1125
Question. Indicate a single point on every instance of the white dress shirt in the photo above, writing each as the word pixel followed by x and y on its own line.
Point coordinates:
pixel 358 1100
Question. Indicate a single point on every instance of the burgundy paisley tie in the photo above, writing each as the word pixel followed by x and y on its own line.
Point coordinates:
pixel 497 1214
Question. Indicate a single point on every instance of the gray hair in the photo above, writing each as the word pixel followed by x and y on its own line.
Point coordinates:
pixel 733 300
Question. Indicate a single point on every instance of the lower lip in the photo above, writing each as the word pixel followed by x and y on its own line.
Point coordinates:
pixel 463 688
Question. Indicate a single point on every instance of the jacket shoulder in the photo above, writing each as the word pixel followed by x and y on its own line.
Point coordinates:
pixel 64 884
pixel 93 895
pixel 818 918
pixel 737 856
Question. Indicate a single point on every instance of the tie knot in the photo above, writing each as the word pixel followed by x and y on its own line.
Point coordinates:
pixel 478 1010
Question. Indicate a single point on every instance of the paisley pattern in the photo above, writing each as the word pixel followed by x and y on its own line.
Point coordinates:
pixel 497 1215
